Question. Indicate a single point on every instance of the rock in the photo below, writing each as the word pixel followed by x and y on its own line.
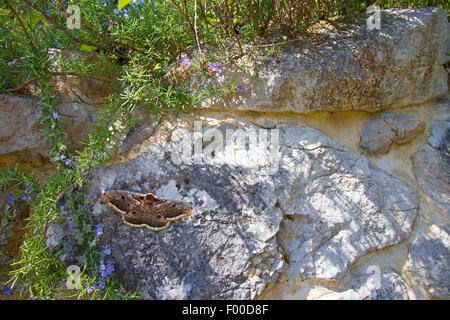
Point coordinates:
pixel 225 250
pixel 439 137
pixel 72 88
pixel 336 209
pixel 60 237
pixel 428 261
pixel 78 119
pixel 379 134
pixel 20 133
pixel 389 287
pixel 431 165
pixel 349 69
pixel 20 130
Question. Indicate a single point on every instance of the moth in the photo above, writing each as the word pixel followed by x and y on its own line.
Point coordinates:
pixel 146 210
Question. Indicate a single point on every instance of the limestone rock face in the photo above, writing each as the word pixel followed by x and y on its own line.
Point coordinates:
pixel 20 135
pixel 429 261
pixel 324 204
pixel 389 286
pixel 350 69
pixel 379 134
pixel 338 207
pixel 432 165
pixel 226 249
pixel 20 130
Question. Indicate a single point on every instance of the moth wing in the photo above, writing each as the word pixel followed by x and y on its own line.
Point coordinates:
pixel 174 210
pixel 146 218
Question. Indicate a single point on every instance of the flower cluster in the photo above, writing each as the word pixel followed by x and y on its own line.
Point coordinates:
pixel 215 67
pixel 68 162
pixel 179 73
pixel 105 272
pixel 186 62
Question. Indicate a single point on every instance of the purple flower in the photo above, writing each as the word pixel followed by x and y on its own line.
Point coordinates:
pixel 106 270
pixel 25 198
pixel 62 157
pixel 7 289
pixel 10 198
pixel 186 61
pixel 68 223
pixel 100 285
pixel 215 66
pixel 55 115
pixel 106 250
pixel 99 230
pixel 70 163
pixel 239 88
pixel 57 44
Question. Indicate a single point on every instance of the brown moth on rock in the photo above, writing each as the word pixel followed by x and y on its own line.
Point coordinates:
pixel 146 210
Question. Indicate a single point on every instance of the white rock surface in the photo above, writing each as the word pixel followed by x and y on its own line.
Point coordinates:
pixel 429 261
pixel 337 207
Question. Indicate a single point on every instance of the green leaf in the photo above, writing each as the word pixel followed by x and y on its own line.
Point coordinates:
pixel 85 47
pixel 123 3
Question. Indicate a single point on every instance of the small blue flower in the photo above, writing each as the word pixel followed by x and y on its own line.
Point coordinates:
pixel 215 66
pixel 106 270
pixel 239 88
pixel 70 163
pixel 106 250
pixel 186 61
pixel 99 230
pixel 62 157
pixel 100 285
pixel 7 289
pixel 68 223
pixel 25 198
pixel 102 266
pixel 55 115
pixel 10 198
pixel 57 44
pixel 109 270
